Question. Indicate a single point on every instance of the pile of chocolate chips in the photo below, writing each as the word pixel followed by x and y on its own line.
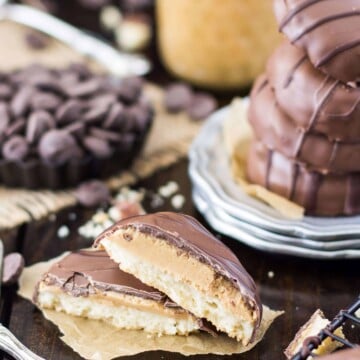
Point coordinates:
pixel 60 115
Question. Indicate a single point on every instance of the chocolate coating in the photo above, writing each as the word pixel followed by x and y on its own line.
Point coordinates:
pixel 311 99
pixel 82 272
pixel 278 132
pixel 329 32
pixel 188 235
pixel 325 195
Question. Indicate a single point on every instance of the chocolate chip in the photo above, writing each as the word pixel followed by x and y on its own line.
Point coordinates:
pixel 15 149
pixel 201 106
pixel 115 118
pixel 129 89
pixel 92 193
pixel 105 134
pixel 58 147
pixel 104 100
pixel 98 147
pixel 4 117
pixel 77 129
pixel 81 70
pixel 38 123
pixel 36 40
pixel 21 101
pixel 47 82
pixel 69 111
pixel 85 88
pixel 16 127
pixel 13 267
pixel 5 91
pixel 45 101
pixel 126 143
pixel 94 114
pixel 177 97
pixel 137 118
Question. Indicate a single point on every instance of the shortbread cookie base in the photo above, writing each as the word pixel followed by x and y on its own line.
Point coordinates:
pixel 119 310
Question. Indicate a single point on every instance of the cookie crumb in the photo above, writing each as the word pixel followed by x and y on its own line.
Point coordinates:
pixel 63 231
pixel 178 201
pixel 270 274
pixel 170 188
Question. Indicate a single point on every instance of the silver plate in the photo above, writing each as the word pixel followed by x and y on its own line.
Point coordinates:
pixel 232 227
pixel 209 165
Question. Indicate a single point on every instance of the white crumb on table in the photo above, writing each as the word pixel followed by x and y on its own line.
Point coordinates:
pixel 178 201
pixel 63 231
pixel 270 274
pixel 169 189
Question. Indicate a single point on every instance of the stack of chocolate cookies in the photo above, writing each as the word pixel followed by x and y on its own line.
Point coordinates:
pixel 305 109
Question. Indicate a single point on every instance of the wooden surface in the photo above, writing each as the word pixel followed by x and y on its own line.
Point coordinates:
pixel 298 286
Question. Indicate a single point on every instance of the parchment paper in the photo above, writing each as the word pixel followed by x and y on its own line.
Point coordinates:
pixel 237 136
pixel 95 340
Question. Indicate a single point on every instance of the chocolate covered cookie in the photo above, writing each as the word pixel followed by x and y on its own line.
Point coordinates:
pixel 319 194
pixel 328 31
pixel 191 266
pixel 89 284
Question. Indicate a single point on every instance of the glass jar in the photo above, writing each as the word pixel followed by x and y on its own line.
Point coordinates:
pixel 218 44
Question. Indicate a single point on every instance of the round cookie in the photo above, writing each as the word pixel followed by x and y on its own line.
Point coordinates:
pixel 329 32
pixel 313 100
pixel 320 195
pixel 279 132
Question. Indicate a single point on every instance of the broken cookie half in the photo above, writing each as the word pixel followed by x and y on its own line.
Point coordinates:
pixel 177 255
pixel 89 284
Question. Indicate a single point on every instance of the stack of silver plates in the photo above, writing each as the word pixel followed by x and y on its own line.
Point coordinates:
pixel 232 212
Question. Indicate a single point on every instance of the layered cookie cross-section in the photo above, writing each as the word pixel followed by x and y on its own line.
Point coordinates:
pixel 89 284
pixel 177 255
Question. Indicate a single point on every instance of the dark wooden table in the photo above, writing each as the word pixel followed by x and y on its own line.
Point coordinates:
pixel 298 286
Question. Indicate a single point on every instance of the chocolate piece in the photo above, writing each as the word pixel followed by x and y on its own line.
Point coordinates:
pixel 281 133
pixel 103 101
pixel 45 101
pixel 115 118
pixel 13 267
pixel 4 117
pixel 201 106
pixel 85 88
pixel 21 101
pixel 82 272
pixel 312 100
pixel 36 40
pixel 5 91
pixel 188 235
pixel 15 149
pixel 348 354
pixel 92 193
pixel 38 123
pixel 100 148
pixel 69 111
pixel 16 127
pixel 95 114
pixel 137 118
pixel 58 147
pixel 77 129
pixel 177 97
pixel 129 89
pixel 105 135
pixel 324 195
pixel 327 30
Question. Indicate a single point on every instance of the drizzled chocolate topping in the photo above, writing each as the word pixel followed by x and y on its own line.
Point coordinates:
pixel 189 235
pixel 81 272
pixel 328 30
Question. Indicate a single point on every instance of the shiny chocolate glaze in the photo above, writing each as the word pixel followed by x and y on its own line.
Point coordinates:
pixel 279 132
pixel 325 195
pixel 188 235
pixel 314 101
pixel 329 32
pixel 82 272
